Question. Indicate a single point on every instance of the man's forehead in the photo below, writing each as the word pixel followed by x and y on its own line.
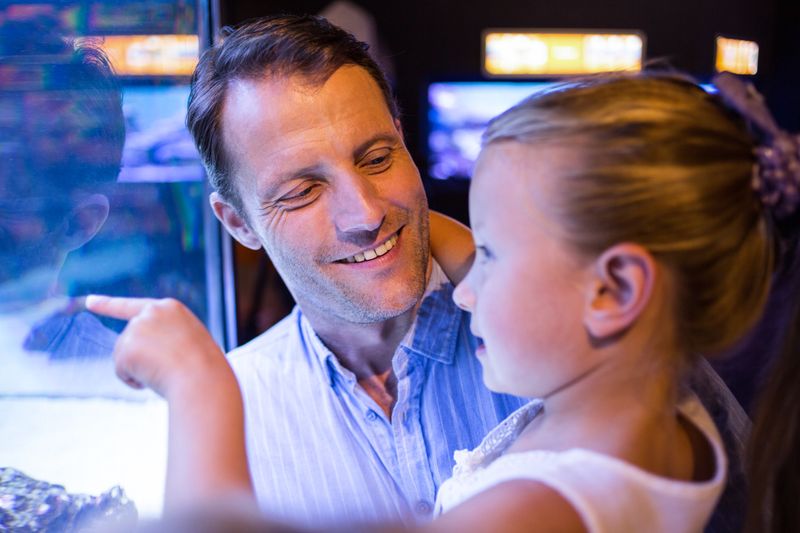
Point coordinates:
pixel 280 123
pixel 297 99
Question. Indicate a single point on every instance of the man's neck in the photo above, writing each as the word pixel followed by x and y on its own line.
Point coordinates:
pixel 364 349
pixel 367 350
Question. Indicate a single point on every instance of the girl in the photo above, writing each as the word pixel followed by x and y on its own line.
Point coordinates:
pixel 619 236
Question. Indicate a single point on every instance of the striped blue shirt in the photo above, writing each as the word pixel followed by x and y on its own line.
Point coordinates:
pixel 321 451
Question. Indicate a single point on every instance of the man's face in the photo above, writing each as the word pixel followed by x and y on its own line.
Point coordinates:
pixel 330 191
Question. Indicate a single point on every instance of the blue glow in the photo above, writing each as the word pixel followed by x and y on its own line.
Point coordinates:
pixel 457 115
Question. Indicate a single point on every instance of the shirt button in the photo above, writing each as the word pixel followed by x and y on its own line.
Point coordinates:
pixel 423 507
pixel 372 416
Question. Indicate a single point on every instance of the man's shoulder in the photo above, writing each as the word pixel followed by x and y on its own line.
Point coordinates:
pixel 273 346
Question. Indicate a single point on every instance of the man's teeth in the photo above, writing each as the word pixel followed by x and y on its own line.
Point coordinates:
pixel 372 254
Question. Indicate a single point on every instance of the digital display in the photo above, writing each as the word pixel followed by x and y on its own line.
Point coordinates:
pixel 737 56
pixel 458 113
pixel 528 53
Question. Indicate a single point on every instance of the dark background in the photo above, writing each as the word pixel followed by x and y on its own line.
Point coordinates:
pixel 439 39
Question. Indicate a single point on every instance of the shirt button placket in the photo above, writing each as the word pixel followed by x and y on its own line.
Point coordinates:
pixel 423 507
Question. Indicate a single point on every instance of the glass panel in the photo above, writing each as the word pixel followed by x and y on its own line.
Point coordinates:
pixel 101 191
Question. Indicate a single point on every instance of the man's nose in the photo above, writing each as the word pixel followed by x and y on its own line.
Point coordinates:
pixel 358 207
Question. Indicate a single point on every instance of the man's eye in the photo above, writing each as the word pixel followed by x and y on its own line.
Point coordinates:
pixel 301 197
pixel 305 192
pixel 377 160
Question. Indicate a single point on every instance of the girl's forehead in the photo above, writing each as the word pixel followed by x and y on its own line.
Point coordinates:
pixel 520 168
pixel 516 183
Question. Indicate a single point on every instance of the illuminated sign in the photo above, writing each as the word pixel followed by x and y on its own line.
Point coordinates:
pixel 737 56
pixel 151 55
pixel 509 53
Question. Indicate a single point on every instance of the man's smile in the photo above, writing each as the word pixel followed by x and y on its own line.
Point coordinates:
pixel 372 253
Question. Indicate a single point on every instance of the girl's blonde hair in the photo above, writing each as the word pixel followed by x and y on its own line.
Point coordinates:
pixel 661 163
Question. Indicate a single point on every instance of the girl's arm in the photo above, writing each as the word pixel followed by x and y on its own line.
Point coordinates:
pixel 166 348
pixel 514 506
pixel 451 246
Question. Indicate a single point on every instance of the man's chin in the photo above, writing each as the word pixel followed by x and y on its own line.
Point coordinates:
pixel 360 300
pixel 372 312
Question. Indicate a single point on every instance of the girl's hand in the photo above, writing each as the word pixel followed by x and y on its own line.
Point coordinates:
pixel 163 347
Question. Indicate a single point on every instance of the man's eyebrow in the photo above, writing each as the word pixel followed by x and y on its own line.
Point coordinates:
pixel 270 190
pixel 362 148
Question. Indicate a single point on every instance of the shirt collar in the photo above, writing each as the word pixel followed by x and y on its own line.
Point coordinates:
pixel 433 334
pixel 328 362
pixel 435 331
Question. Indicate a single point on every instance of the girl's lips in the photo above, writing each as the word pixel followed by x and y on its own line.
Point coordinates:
pixel 480 351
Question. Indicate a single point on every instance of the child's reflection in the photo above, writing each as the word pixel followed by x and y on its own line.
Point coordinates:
pixel 61 138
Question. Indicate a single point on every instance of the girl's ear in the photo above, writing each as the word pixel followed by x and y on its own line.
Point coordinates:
pixel 619 290
pixel 84 221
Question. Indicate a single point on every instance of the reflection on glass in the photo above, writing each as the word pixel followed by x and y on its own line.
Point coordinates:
pixel 152 55
pixel 86 208
pixel 61 136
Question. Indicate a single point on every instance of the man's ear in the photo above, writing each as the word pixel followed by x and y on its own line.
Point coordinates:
pixel 235 224
pixel 619 290
pixel 84 221
pixel 399 126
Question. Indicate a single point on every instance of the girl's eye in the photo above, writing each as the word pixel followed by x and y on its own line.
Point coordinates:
pixel 482 253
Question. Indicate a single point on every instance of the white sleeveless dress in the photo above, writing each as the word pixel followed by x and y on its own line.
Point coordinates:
pixel 609 494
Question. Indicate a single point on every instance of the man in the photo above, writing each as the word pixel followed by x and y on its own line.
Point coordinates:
pixel 354 403
pixel 357 400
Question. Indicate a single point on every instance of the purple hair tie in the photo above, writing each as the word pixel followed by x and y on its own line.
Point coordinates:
pixel 776 176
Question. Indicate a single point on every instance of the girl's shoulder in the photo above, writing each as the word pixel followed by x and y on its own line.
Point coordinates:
pixel 588 480
pixel 497 441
